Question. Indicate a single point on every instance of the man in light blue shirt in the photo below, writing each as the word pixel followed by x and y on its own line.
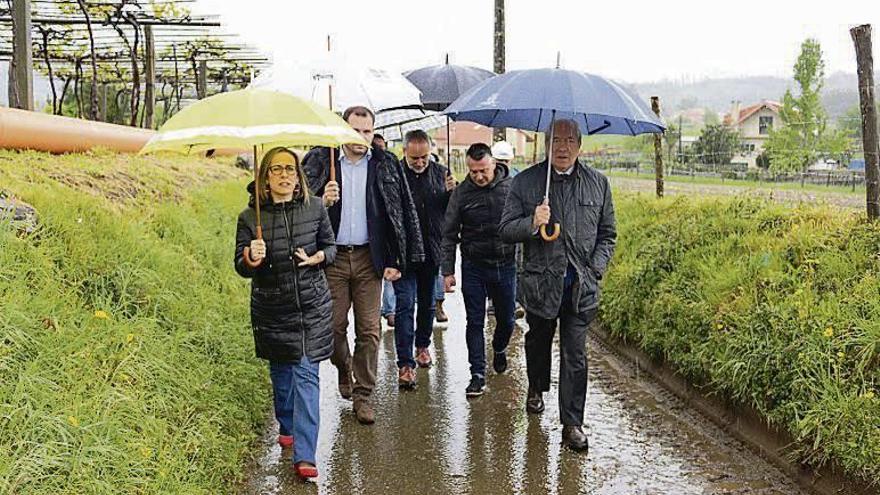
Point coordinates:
pixel 377 234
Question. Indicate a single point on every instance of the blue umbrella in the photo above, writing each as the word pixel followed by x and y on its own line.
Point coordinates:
pixel 534 99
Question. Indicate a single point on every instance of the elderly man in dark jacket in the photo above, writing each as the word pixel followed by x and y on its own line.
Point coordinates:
pixel 488 266
pixel 560 279
pixel 377 234
pixel 430 185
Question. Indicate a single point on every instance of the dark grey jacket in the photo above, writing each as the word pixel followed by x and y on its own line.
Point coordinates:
pixel 290 305
pixel 472 218
pixel 587 242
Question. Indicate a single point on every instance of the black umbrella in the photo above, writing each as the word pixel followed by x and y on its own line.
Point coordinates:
pixel 442 84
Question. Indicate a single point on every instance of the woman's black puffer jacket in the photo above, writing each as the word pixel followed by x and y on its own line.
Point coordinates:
pixel 290 305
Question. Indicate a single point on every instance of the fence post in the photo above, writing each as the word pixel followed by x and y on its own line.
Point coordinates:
pixel 861 36
pixel 21 70
pixel 149 76
pixel 658 149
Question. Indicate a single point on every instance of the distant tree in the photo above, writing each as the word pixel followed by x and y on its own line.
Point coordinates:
pixel 851 123
pixel 716 145
pixel 688 102
pixel 804 135
pixel 670 138
pixel 710 117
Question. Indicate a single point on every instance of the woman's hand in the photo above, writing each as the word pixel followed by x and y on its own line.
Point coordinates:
pixel 306 260
pixel 258 250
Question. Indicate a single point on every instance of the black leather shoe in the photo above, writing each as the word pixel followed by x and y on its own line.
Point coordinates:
pixel 575 438
pixel 535 402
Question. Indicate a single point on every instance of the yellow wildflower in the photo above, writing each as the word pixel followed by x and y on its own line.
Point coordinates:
pixel 869 394
pixel 841 355
pixel 129 338
pixel 101 314
pixel 73 421
pixel 829 332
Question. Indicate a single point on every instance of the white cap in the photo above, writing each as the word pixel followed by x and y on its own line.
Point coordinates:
pixel 502 150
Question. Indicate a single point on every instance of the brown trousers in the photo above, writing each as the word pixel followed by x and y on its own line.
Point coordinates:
pixel 353 282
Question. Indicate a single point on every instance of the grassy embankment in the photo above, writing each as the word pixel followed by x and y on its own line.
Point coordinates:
pixel 126 360
pixel 771 306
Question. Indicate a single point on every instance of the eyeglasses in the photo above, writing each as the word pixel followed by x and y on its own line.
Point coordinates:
pixel 277 169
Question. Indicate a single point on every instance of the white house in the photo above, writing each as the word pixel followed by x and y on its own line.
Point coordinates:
pixel 754 124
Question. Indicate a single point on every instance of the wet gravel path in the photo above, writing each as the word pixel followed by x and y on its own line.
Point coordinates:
pixel 433 440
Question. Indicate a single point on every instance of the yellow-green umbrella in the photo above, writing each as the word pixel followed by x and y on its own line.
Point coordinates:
pixel 250 118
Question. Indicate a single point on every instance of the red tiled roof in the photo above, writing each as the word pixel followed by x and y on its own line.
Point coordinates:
pixel 750 110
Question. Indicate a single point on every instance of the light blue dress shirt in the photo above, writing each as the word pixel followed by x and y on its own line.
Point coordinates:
pixel 353 221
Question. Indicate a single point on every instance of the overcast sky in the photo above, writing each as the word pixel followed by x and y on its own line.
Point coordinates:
pixel 630 40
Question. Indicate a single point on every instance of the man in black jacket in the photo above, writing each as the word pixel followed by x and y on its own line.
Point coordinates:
pixel 488 266
pixel 430 185
pixel 377 234
pixel 560 279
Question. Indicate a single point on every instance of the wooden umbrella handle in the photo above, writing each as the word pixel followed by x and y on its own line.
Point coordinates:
pixel 248 261
pixel 557 229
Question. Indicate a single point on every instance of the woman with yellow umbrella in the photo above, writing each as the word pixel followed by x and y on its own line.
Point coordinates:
pixel 290 299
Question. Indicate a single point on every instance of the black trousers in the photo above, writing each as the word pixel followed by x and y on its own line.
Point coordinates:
pixel 572 358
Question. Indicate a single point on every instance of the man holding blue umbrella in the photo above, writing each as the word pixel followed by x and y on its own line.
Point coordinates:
pixel 563 260
pixel 559 282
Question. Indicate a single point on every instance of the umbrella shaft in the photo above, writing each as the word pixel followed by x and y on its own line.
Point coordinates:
pixel 549 157
pixel 257 198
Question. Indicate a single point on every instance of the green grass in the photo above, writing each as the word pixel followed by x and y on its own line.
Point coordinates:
pixel 126 358
pixel 749 184
pixel 774 307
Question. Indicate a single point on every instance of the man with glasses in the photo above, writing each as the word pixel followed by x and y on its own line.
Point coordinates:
pixel 488 268
pixel 560 278
pixel 377 235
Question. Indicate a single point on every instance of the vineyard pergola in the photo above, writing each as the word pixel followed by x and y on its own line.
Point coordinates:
pixel 115 60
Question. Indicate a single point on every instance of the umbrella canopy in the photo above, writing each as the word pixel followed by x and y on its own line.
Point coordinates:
pixel 532 99
pixel 442 84
pixel 394 124
pixel 251 117
pixel 352 83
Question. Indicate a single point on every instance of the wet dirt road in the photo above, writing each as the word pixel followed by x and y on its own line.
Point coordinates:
pixel 433 440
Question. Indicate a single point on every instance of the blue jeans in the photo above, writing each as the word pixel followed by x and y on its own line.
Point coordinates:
pixel 439 293
pixel 415 286
pixel 388 302
pixel 498 284
pixel 296 389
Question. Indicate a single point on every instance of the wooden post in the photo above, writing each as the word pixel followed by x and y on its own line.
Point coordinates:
pixel 499 134
pixel 149 76
pixel 658 149
pixel 861 36
pixel 21 93
pixel 202 79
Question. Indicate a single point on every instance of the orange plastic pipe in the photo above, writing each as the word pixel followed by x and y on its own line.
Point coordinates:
pixel 21 129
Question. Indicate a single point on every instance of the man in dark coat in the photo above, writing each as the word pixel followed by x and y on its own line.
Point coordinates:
pixel 377 234
pixel 430 185
pixel 488 265
pixel 560 279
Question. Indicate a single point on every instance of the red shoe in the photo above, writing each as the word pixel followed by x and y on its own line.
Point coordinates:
pixel 285 441
pixel 305 471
